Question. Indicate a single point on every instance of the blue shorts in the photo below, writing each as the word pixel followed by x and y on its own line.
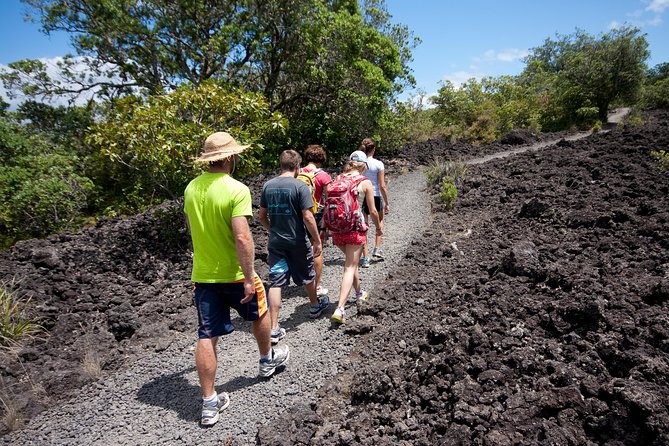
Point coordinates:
pixel 214 300
pixel 297 263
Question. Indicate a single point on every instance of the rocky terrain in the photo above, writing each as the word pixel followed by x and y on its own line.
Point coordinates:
pixel 534 312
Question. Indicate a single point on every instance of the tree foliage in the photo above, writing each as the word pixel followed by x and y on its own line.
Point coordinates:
pixel 583 71
pixel 656 87
pixel 42 189
pixel 152 143
pixel 330 66
pixel 568 81
pixel 484 111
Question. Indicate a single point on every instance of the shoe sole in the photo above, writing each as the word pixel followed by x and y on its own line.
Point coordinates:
pixel 337 319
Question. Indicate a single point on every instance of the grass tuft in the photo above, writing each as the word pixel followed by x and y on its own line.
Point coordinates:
pixel 15 325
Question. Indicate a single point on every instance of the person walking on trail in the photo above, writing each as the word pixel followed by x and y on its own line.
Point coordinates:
pixel 286 212
pixel 315 157
pixel 217 209
pixel 376 174
pixel 351 241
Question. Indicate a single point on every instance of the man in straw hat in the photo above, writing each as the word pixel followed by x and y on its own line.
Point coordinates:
pixel 217 211
pixel 286 212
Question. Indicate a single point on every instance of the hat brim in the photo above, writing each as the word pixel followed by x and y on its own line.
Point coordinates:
pixel 221 155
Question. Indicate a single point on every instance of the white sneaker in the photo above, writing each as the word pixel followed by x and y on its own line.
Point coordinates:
pixel 280 357
pixel 211 414
pixel 361 295
pixel 339 316
pixel 378 253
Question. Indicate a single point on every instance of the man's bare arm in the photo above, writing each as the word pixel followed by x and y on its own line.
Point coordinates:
pixel 245 254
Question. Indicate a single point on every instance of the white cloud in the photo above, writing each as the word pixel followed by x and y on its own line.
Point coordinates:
pixel 658 6
pixel 506 55
pixel 650 16
pixel 457 78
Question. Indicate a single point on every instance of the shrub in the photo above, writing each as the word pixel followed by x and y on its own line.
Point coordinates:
pixel 597 126
pixel 448 193
pixel 662 158
pixel 152 144
pixel 42 189
pixel 438 171
pixel 588 117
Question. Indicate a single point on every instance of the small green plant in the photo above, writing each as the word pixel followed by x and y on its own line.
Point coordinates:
pixel 14 322
pixel 448 193
pixel 439 171
pixel 597 127
pixel 662 157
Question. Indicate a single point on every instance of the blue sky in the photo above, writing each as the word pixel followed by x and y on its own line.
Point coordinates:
pixel 460 39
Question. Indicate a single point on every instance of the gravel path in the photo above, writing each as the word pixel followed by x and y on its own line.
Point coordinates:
pixel 156 400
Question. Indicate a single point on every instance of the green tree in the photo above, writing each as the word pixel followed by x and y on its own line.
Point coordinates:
pixel 151 144
pixel 582 71
pixel 62 123
pixel 656 87
pixel 482 111
pixel 41 187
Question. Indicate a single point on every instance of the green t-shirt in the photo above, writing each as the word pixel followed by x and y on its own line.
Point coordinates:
pixel 210 202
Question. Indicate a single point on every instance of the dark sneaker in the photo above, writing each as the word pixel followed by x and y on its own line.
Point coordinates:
pixel 364 262
pixel 211 414
pixel 316 310
pixel 277 335
pixel 280 357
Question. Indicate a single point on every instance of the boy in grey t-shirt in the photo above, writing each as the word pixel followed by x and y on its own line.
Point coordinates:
pixel 285 211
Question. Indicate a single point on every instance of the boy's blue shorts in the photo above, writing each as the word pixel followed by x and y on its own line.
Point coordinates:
pixel 297 263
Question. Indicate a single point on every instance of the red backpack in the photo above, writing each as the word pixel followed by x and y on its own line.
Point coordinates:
pixel 341 212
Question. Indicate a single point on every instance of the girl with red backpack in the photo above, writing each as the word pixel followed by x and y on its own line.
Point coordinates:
pixel 343 217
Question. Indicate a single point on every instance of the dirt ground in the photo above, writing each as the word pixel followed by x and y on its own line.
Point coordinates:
pixel 534 312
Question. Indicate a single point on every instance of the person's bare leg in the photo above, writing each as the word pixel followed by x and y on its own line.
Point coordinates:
pixel 274 306
pixel 350 277
pixel 365 250
pixel 378 239
pixel 205 363
pixel 261 331
pixel 318 267
pixel 311 292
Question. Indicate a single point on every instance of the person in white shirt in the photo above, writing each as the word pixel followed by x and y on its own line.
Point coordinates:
pixel 376 174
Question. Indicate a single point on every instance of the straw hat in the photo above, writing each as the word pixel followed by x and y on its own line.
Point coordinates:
pixel 218 146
